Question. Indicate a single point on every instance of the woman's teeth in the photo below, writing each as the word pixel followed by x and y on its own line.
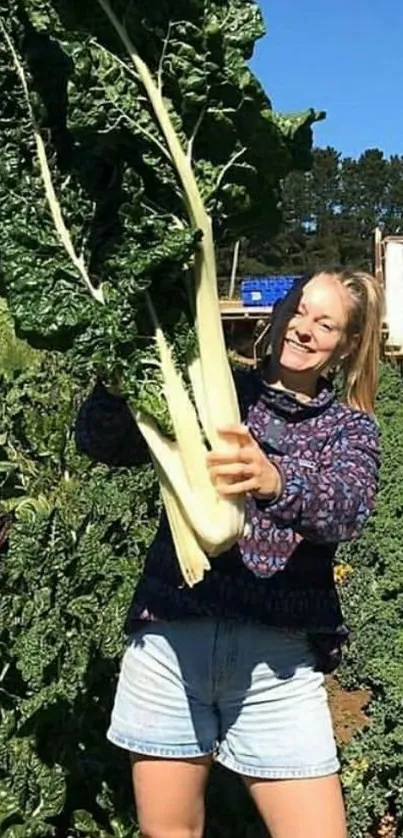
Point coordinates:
pixel 298 347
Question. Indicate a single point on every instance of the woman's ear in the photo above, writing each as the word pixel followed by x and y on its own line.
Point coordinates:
pixel 352 346
pixel 349 348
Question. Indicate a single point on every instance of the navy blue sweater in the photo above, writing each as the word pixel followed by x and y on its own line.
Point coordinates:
pixel 281 572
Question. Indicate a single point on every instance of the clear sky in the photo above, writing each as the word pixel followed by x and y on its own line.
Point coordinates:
pixel 341 56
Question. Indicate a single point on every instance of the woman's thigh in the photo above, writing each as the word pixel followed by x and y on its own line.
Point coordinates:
pixel 169 796
pixel 311 808
pixel 277 733
pixel 163 705
pixel 275 718
pixel 164 715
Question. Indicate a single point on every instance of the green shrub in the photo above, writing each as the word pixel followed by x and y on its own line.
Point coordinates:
pixel 74 556
pixel 373 600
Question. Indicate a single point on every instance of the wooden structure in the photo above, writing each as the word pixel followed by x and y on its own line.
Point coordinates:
pixel 245 328
pixel 380 245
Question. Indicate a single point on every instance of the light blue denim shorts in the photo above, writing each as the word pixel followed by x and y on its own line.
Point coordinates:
pixel 244 693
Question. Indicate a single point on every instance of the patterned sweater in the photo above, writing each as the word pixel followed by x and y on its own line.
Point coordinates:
pixel 281 572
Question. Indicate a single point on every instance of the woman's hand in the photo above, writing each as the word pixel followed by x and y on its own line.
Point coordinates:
pixel 245 469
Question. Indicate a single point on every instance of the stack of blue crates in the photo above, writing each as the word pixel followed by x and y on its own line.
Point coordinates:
pixel 265 290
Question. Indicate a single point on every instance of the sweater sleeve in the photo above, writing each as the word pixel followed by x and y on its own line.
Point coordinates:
pixel 106 431
pixel 332 502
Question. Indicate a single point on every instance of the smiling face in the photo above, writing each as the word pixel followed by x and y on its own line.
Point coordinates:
pixel 316 332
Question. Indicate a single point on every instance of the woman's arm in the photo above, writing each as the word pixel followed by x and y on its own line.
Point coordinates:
pixel 326 501
pixel 331 503
pixel 106 431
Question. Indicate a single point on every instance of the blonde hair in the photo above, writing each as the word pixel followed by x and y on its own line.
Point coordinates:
pixel 361 366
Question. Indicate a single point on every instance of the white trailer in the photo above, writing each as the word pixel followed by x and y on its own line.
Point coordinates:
pixel 388 253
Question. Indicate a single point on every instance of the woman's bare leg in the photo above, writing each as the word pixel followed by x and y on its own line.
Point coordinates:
pixel 169 796
pixel 309 808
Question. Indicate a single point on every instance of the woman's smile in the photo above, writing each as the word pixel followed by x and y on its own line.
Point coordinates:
pixel 296 346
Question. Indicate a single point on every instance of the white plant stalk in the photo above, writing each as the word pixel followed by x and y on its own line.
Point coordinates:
pixel 196 512
pixel 53 203
pixel 192 560
pixel 201 521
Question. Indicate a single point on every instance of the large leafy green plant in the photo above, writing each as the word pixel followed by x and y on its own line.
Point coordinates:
pixel 91 209
pixel 126 225
pixel 97 313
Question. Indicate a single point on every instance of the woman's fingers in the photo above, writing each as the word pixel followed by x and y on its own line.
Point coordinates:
pixel 239 488
pixel 237 455
pixel 232 470
pixel 235 478
pixel 236 432
pixel 241 469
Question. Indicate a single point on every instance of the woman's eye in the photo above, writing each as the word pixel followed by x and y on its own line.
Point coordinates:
pixel 326 326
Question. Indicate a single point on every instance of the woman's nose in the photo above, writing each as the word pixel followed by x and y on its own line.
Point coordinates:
pixel 304 332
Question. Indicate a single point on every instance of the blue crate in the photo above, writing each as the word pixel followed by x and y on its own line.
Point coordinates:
pixel 265 290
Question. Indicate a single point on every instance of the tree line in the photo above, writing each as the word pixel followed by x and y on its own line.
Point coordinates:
pixel 328 215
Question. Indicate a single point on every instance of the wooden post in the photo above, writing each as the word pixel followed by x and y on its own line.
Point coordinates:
pixel 234 269
pixel 378 266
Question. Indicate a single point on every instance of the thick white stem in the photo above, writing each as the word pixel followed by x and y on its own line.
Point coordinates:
pixel 192 560
pixel 54 206
pixel 221 406
pixel 210 517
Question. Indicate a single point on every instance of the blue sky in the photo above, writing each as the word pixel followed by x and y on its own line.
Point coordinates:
pixel 341 56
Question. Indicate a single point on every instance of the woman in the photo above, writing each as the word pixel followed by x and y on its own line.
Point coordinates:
pixel 232 669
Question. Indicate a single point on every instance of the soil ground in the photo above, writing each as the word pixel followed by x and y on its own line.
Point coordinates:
pixel 348 710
